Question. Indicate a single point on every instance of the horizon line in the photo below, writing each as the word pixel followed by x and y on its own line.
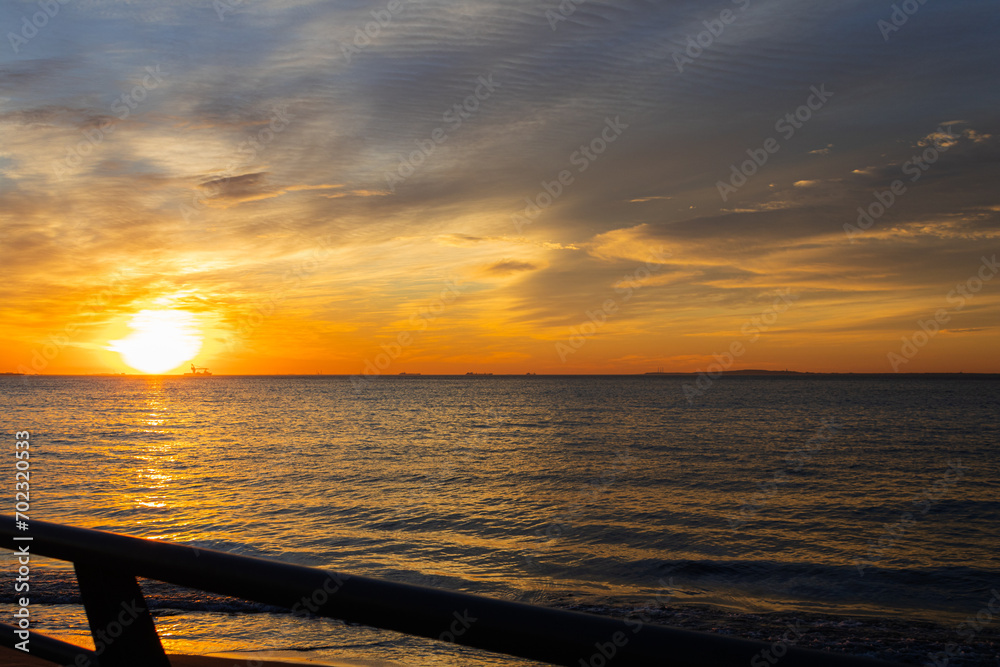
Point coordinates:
pixel 526 374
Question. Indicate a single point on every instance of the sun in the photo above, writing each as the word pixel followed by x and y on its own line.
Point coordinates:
pixel 161 340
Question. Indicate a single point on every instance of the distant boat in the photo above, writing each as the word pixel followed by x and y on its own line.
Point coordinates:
pixel 409 373
pixel 471 373
pixel 195 374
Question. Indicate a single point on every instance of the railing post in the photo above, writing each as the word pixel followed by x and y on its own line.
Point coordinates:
pixel 123 630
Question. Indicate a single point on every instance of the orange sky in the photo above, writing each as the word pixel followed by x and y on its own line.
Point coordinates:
pixel 559 198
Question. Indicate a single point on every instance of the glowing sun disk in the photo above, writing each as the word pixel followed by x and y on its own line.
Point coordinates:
pixel 161 340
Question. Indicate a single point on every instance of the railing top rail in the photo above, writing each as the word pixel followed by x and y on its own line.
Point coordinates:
pixel 540 633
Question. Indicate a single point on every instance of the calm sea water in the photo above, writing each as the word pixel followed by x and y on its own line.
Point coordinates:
pixel 848 496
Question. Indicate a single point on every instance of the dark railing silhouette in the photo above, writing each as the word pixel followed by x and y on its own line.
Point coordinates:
pixel 107 565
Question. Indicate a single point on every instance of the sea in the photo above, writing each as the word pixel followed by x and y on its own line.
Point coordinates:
pixel 865 509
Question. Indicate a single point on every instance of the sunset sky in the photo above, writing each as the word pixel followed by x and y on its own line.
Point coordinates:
pixel 498 186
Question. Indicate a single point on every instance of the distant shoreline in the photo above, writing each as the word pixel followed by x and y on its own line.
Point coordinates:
pixel 481 376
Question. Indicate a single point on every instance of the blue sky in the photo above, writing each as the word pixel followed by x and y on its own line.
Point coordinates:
pixel 268 138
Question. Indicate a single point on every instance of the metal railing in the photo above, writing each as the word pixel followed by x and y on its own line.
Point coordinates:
pixel 107 565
